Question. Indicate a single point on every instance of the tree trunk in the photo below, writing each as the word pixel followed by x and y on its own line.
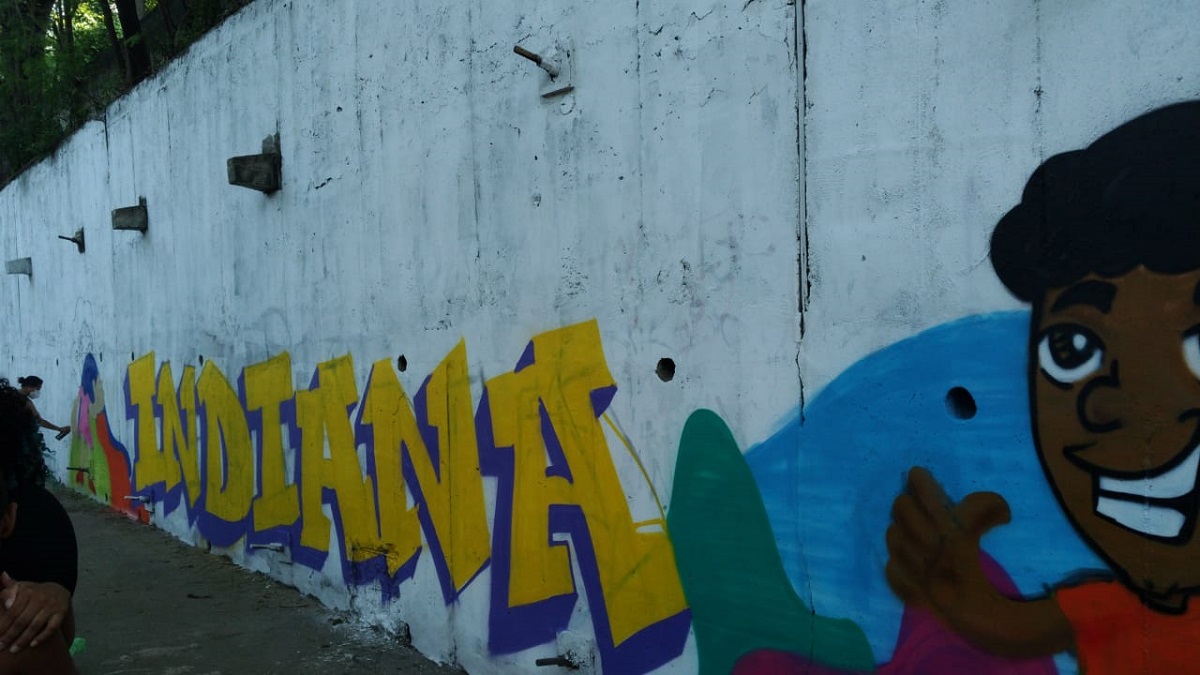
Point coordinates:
pixel 117 45
pixel 131 26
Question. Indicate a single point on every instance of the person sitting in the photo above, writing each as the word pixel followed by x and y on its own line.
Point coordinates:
pixel 38 550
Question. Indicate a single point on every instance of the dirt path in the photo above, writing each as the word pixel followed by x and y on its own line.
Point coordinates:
pixel 150 605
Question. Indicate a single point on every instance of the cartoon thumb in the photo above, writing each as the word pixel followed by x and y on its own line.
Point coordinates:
pixel 981 511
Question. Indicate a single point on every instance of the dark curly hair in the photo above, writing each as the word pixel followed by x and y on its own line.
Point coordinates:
pixel 22 449
pixel 1130 198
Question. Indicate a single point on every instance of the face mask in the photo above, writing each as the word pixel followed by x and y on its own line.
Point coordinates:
pixel 35 393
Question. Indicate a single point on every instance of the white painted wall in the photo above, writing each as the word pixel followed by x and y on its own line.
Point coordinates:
pixel 430 195
pixel 924 122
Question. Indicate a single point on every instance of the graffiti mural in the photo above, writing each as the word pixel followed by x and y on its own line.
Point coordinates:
pixel 99 463
pixel 1007 493
pixel 256 460
pixel 1102 247
pixel 997 491
pixel 629 574
pixel 824 487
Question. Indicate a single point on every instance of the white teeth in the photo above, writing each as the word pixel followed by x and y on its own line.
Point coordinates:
pixel 1175 483
pixel 1153 520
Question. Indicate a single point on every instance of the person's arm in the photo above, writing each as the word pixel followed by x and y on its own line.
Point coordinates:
pixel 46 424
pixel 933 548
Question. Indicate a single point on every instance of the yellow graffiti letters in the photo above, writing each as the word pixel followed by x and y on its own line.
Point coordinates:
pixel 153 465
pixel 453 487
pixel 636 570
pixel 386 411
pixel 229 457
pixel 179 437
pixel 417 471
pixel 322 414
pixel 268 386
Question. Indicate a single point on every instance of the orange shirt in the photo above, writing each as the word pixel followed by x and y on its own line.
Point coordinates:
pixel 1116 633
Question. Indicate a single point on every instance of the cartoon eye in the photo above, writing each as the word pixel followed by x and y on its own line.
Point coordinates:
pixel 1191 349
pixel 1069 353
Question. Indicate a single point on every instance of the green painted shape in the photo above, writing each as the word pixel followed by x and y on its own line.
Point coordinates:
pixel 730 568
pixel 100 476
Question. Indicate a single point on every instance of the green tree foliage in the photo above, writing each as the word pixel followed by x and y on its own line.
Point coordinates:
pixel 63 61
pixel 23 75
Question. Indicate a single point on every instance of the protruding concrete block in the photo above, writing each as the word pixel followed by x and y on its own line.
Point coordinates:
pixel 20 266
pixel 263 172
pixel 132 217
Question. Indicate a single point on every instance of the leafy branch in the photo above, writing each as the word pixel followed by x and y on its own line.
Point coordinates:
pixel 64 61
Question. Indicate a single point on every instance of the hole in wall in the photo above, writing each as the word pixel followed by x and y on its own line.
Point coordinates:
pixel 201 359
pixel 132 356
pixel 402 363
pixel 960 403
pixel 665 370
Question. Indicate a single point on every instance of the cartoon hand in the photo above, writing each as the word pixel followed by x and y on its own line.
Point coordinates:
pixel 933 546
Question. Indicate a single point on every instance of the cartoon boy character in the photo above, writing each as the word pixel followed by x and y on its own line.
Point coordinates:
pixel 1105 245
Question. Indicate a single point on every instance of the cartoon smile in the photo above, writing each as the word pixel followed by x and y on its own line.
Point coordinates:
pixel 1162 504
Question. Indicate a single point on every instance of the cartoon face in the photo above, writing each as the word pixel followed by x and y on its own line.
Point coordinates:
pixel 1115 381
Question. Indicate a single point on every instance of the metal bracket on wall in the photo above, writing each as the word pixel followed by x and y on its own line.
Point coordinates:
pixel 20 266
pixel 132 217
pixel 262 172
pixel 276 547
pixel 141 500
pixel 77 239
pixel 559 65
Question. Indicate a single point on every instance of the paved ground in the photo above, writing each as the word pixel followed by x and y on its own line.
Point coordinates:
pixel 150 605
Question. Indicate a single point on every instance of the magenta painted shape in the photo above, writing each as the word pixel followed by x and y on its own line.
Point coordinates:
pixel 773 662
pixel 84 423
pixel 925 647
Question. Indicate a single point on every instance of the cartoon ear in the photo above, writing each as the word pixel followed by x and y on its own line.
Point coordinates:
pixel 8 521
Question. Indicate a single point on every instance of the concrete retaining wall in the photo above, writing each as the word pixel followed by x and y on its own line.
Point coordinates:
pixel 443 376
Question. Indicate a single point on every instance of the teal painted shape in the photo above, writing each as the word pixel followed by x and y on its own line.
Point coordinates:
pixel 730 568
